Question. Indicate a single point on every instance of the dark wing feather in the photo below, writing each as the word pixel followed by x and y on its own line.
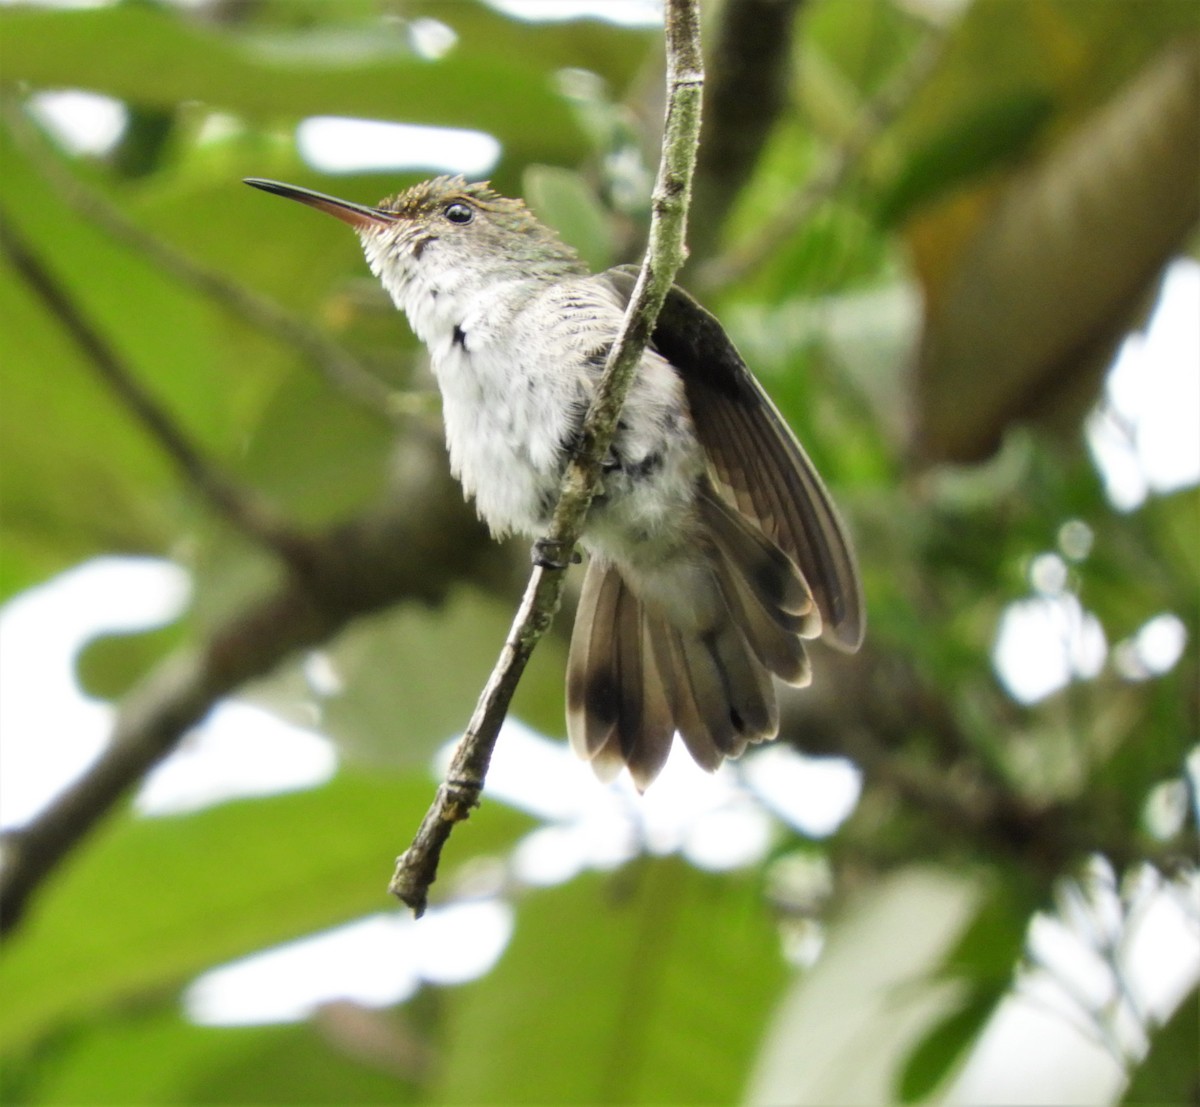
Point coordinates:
pixel 757 460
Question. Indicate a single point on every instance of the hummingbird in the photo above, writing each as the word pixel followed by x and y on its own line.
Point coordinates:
pixel 715 551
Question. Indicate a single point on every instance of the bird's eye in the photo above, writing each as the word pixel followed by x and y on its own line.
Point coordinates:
pixel 459 213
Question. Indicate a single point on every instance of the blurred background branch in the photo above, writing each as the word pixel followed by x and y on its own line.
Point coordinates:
pixel 752 59
pixel 379 559
pixel 839 169
pixel 344 371
pixel 237 506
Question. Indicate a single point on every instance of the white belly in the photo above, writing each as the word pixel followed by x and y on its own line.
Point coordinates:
pixel 515 386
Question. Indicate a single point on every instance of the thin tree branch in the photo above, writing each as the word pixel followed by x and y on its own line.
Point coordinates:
pixel 416 868
pixel 338 366
pixel 242 509
pixel 841 166
pixel 420 543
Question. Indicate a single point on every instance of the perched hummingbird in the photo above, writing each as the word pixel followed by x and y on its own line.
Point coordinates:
pixel 714 548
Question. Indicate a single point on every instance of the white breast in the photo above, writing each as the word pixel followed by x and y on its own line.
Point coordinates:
pixel 511 395
pixel 516 359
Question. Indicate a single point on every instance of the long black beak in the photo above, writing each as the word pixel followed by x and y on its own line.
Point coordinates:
pixel 358 216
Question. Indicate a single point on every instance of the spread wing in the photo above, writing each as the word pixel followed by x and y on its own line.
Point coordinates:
pixel 756 460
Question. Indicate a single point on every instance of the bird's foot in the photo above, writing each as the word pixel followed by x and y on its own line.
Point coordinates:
pixel 548 553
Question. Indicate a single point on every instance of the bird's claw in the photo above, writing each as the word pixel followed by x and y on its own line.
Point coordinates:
pixel 547 553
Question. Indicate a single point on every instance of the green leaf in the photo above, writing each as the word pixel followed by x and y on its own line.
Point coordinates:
pixel 314 454
pixel 109 665
pixel 151 55
pixel 875 983
pixel 149 1056
pixel 650 985
pixel 562 199
pixel 994 134
pixel 1079 54
pixel 410 678
pixel 990 947
pixel 153 901
pixel 941 1049
pixel 80 477
pixel 1169 1073
pixel 861 44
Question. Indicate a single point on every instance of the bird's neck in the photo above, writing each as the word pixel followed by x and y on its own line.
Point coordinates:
pixel 441 297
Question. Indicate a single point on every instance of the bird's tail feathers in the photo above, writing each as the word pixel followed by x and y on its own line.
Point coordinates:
pixel 618 712
pixel 635 677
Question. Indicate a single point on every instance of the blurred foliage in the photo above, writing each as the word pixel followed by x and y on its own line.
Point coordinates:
pixel 656 983
pixel 303 864
pixel 637 1021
